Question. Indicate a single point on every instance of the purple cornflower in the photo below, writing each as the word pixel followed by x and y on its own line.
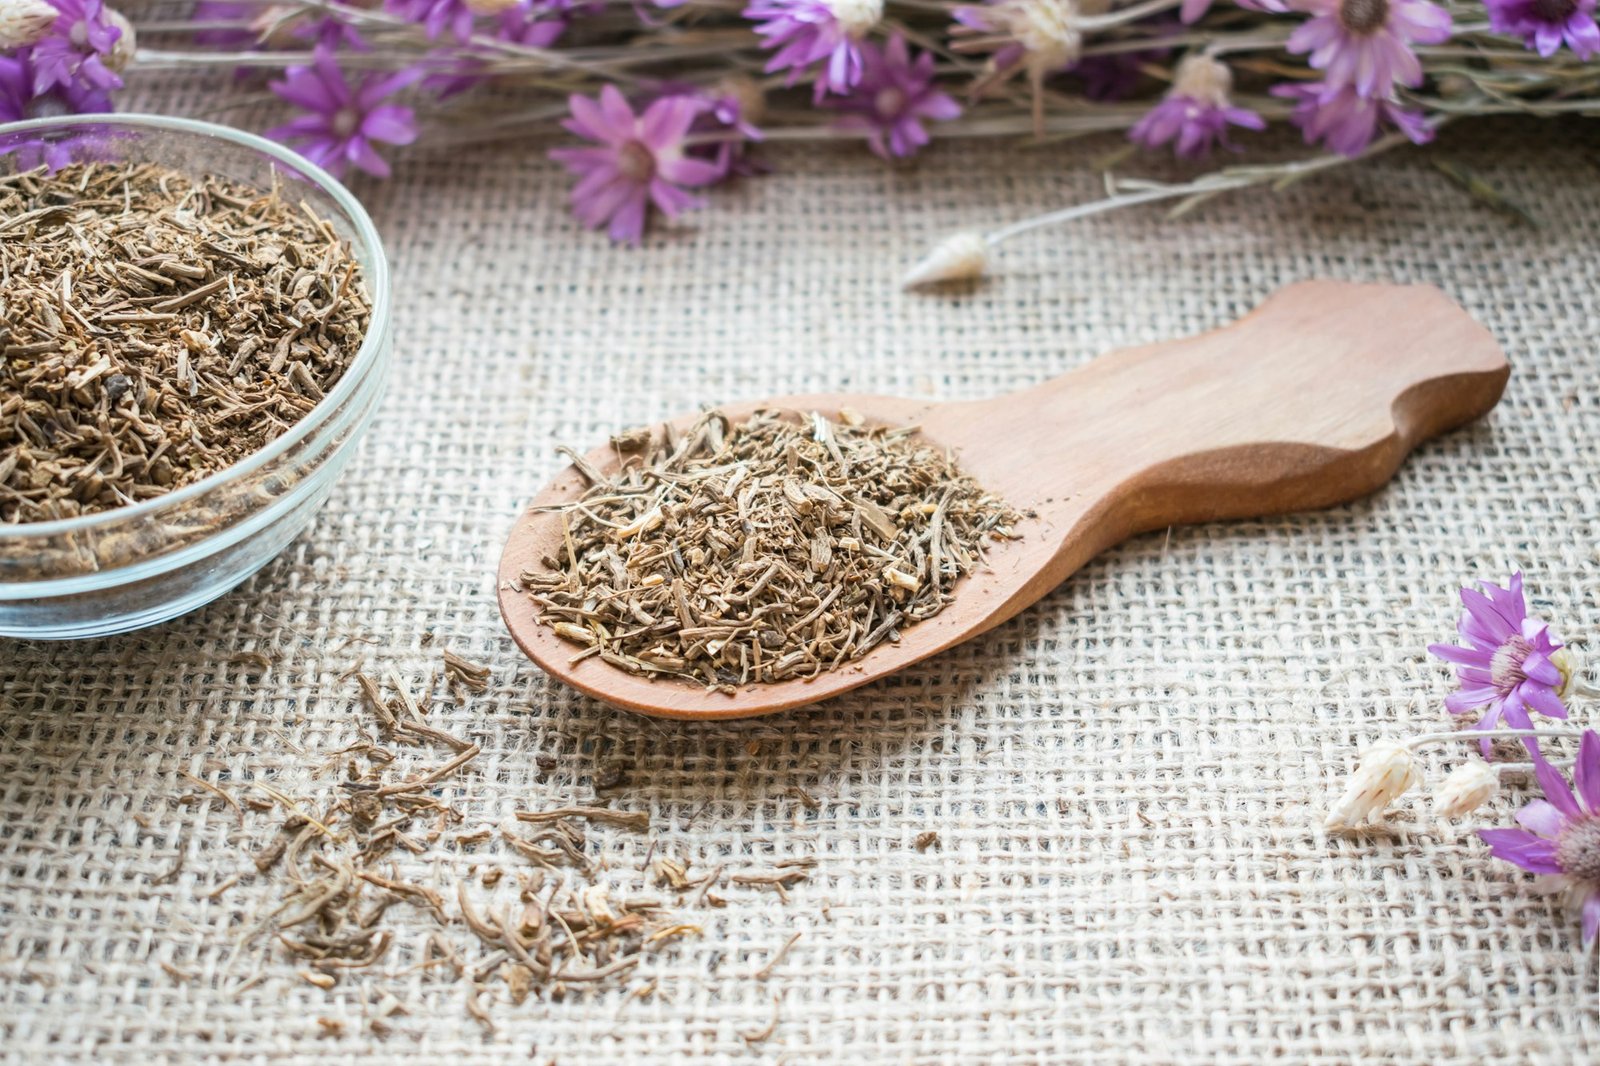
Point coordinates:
pixel 1345 120
pixel 1510 662
pixel 344 117
pixel 435 16
pixel 637 160
pixel 1545 24
pixel 1197 111
pixel 1366 44
pixel 810 31
pixel 895 95
pixel 1560 834
pixel 77 48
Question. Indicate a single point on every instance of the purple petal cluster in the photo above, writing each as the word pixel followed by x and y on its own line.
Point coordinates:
pixel 636 160
pixel 344 118
pixel 1509 663
pixel 1560 834
pixel 1366 44
pixel 895 96
pixel 1544 25
pixel 728 126
pixel 75 54
pixel 1197 112
pixel 826 32
pixel 1346 121
pixel 435 16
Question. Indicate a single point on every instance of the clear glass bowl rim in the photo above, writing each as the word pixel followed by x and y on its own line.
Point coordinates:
pixel 372 343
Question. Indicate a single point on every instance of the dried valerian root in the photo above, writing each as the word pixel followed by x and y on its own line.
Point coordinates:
pixel 769 550
pixel 155 328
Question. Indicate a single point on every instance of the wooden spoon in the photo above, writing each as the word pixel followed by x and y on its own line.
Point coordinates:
pixel 1312 400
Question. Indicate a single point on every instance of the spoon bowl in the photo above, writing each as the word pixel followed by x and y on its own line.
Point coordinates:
pixel 1312 400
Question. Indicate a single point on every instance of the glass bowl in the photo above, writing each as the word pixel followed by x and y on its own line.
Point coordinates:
pixel 145 563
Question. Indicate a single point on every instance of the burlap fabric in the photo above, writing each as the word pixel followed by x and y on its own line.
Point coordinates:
pixel 1127 782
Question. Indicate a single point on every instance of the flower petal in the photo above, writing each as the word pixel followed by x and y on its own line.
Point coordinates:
pixel 1586 773
pixel 1534 854
pixel 1555 787
pixel 1542 818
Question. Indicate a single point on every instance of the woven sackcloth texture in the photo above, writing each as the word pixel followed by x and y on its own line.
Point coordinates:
pixel 1127 781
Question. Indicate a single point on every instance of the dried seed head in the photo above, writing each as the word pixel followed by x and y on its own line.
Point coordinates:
pixel 1202 78
pixel 1386 771
pixel 24 23
pixel 857 17
pixel 959 257
pixel 1469 786
pixel 127 43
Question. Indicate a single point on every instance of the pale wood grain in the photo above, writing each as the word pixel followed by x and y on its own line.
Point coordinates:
pixel 1312 400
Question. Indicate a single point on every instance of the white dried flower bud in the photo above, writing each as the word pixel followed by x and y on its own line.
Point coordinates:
pixel 1386 771
pixel 1202 78
pixel 959 257
pixel 127 44
pixel 24 23
pixel 1469 786
pixel 857 17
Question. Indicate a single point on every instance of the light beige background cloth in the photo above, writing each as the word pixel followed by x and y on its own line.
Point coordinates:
pixel 1127 781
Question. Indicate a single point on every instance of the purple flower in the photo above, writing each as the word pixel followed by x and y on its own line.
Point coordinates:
pixel 1345 120
pixel 241 34
pixel 1560 834
pixel 344 118
pixel 76 48
pixel 1510 662
pixel 1197 111
pixel 637 160
pixel 1039 36
pixel 894 96
pixel 1367 43
pixel 728 125
pixel 529 23
pixel 18 101
pixel 1545 24
pixel 811 31
pixel 435 16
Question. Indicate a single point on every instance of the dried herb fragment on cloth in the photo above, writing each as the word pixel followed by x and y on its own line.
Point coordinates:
pixel 773 549
pixel 155 328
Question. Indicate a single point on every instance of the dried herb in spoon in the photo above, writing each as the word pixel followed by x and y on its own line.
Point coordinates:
pixel 765 551
pixel 156 327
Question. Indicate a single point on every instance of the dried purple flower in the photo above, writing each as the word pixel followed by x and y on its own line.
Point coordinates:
pixel 1366 44
pixel 1560 834
pixel 18 101
pixel 638 160
pixel 78 48
pixel 728 125
pixel 435 16
pixel 811 31
pixel 344 117
pixel 1345 120
pixel 1197 111
pixel 1036 36
pixel 895 95
pixel 1545 24
pixel 1510 663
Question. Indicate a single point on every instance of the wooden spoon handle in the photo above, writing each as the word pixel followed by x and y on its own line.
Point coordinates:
pixel 1312 400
